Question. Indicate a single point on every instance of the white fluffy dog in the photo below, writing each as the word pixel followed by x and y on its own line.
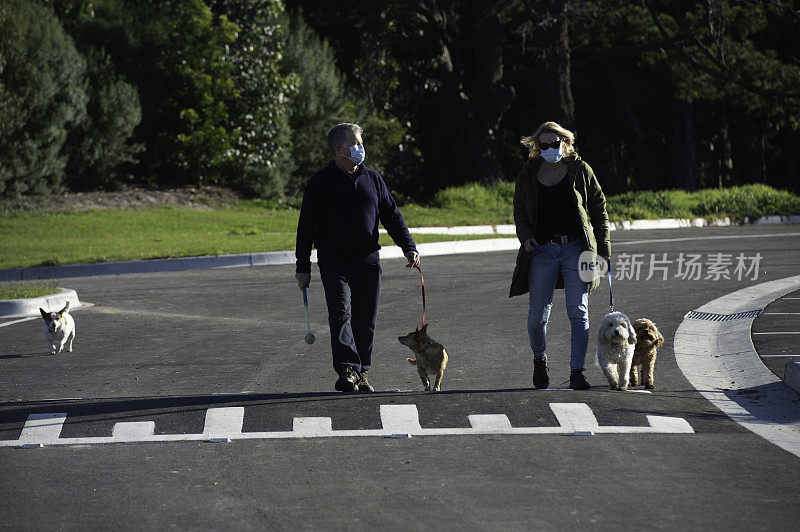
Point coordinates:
pixel 616 341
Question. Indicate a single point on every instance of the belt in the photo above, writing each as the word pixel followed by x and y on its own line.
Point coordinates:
pixel 562 239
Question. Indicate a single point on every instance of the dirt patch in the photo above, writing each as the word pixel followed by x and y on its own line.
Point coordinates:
pixel 202 198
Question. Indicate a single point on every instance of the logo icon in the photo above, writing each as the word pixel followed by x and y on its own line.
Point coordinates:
pixel 591 266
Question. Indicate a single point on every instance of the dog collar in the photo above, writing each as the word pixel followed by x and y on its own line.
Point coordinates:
pixel 425 349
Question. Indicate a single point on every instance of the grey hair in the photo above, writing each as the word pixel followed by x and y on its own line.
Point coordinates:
pixel 339 134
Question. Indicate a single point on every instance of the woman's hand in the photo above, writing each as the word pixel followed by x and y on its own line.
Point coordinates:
pixel 529 243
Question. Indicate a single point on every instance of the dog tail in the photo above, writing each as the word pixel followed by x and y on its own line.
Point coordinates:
pixel 412 361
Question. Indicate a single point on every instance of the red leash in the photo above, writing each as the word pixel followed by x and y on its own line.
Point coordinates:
pixel 422 279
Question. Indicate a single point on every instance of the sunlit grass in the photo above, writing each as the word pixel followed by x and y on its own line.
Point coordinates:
pixel 26 290
pixel 28 239
pixel 32 239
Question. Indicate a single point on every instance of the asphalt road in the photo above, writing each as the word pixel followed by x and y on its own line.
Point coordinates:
pixel 167 347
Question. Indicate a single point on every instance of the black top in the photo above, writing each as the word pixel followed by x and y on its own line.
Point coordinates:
pixel 558 212
pixel 340 215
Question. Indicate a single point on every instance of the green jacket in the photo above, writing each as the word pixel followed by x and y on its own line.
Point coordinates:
pixel 589 201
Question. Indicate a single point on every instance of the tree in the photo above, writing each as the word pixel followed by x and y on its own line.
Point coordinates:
pixel 320 99
pixel 261 156
pixel 100 145
pixel 440 66
pixel 698 89
pixel 43 94
pixel 174 53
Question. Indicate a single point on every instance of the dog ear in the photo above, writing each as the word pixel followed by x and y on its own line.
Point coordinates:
pixel 631 334
pixel 45 315
pixel 425 328
pixel 660 340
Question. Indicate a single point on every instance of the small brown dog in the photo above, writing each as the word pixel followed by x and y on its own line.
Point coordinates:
pixel 648 339
pixel 431 358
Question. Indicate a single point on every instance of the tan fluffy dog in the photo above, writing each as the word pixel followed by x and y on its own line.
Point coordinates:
pixel 430 357
pixel 648 339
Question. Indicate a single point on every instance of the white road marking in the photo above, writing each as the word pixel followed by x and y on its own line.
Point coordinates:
pixel 780 313
pixel 131 431
pixel 224 424
pixel 312 427
pixel 228 420
pixel 691 238
pixel 577 417
pixel 489 421
pixel 669 424
pixel 42 428
pixel 12 322
pixel 779 356
pixel 778 332
pixel 400 419
pixel 178 316
pixel 719 360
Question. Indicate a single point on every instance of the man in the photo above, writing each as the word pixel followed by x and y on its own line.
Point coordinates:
pixel 342 206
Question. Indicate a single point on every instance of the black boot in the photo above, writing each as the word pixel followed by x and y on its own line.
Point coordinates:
pixel 577 381
pixel 540 378
pixel 348 380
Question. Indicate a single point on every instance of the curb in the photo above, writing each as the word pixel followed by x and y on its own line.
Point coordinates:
pixel 148 266
pixel 625 225
pixel 792 375
pixel 25 308
pixel 235 261
pixel 719 360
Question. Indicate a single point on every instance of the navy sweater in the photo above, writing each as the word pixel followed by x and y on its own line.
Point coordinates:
pixel 340 215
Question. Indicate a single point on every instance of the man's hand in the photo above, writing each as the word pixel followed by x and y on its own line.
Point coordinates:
pixel 303 279
pixel 413 259
pixel 528 244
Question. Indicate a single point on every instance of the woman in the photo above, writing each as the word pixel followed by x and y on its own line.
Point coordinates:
pixel 556 197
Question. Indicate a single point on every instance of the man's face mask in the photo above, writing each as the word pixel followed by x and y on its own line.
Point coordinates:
pixel 357 154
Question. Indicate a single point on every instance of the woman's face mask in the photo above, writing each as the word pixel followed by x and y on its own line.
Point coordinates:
pixel 553 155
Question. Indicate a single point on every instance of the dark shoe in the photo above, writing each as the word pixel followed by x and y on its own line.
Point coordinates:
pixel 348 380
pixel 540 378
pixel 363 385
pixel 577 381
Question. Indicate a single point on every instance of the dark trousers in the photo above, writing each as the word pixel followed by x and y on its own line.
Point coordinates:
pixel 352 292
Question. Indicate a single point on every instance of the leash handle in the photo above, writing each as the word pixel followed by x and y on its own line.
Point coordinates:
pixel 305 308
pixel 422 279
pixel 610 293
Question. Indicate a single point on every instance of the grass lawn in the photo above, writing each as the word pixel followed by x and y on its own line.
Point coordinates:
pixel 42 238
pixel 28 239
pixel 26 290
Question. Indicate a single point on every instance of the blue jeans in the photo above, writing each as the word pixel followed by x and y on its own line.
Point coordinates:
pixel 542 281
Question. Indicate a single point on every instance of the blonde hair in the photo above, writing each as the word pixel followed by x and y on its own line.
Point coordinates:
pixel 566 136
